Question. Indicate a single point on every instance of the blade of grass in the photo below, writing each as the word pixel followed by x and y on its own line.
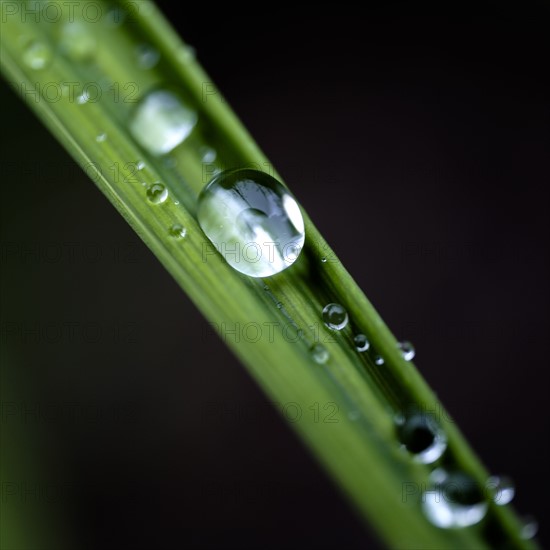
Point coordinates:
pixel 361 451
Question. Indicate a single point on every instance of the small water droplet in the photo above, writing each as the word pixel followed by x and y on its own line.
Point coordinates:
pixel 335 316
pixel 253 221
pixel 422 436
pixel 319 354
pixel 77 42
pixel 140 165
pixel 178 231
pixel 162 121
pixel 280 305
pixel 186 53
pixel 378 360
pixel 361 342
pixel 147 56
pixel 37 55
pixel 207 154
pixel 503 489
pixel 157 193
pixel 101 137
pixel 455 500
pixel 407 350
pixel 176 202
pixel 530 528
pixel 83 98
pixel 324 260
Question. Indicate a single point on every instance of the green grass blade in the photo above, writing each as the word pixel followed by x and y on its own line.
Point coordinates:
pixel 361 451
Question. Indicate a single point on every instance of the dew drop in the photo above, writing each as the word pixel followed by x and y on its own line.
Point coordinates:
pixel 503 489
pixel 207 154
pixel 378 360
pixel 157 193
pixel 335 316
pixel 161 121
pixel 455 500
pixel 83 98
pixel 252 220
pixel 37 55
pixel 421 435
pixel 407 350
pixel 530 528
pixel 101 137
pixel 319 354
pixel 361 342
pixel 186 53
pixel 147 56
pixel 178 231
pixel 140 165
pixel 324 260
pixel 76 42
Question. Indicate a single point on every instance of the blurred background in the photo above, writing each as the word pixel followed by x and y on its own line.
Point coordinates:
pixel 419 147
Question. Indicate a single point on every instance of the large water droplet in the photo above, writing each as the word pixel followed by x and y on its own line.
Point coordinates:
pixel 503 489
pixel 147 56
pixel 37 55
pixel 253 221
pixel 455 500
pixel 422 436
pixel 319 354
pixel 361 342
pixel 157 193
pixel 161 121
pixel 407 350
pixel 335 316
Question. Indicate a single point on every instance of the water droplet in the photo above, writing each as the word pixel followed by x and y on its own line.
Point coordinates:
pixel 147 56
pixel 161 121
pixel 378 360
pixel 83 98
pixel 335 316
pixel 503 489
pixel 407 350
pixel 76 42
pixel 319 354
pixel 530 527
pixel 422 436
pixel 178 231
pixel 361 342
pixel 253 221
pixel 101 137
pixel 324 260
pixel 280 305
pixel 157 193
pixel 186 53
pixel 207 154
pixel 37 55
pixel 140 165
pixel 455 500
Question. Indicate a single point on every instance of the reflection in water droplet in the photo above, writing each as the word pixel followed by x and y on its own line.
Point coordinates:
pixel 455 500
pixel 379 360
pixel 161 121
pixel 140 165
pixel 76 42
pixel 530 527
pixel 335 316
pixel 422 436
pixel 157 193
pixel 361 342
pixel 319 354
pixel 503 489
pixel 147 56
pixel 101 137
pixel 253 221
pixel 178 231
pixel 407 350
pixel 37 55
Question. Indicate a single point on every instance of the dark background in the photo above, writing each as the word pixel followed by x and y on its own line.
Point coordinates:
pixel 419 146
